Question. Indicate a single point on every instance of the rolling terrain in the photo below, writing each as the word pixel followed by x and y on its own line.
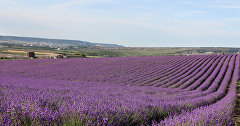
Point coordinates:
pixel 159 90
pixel 50 42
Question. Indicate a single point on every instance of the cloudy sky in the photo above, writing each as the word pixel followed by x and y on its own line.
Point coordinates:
pixel 135 23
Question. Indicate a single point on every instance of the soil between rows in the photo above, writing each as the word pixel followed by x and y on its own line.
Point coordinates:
pixel 236 119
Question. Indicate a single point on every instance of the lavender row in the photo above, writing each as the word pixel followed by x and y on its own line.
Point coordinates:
pixel 213 80
pixel 190 78
pixel 160 70
pixel 199 73
pixel 178 77
pixel 170 72
pixel 51 93
pixel 219 113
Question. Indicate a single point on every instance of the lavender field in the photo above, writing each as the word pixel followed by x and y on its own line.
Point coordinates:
pixel 160 90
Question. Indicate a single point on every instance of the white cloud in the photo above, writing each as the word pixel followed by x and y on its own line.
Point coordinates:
pixel 189 13
pixel 134 26
pixel 5 4
pixel 226 6
pixel 188 2
pixel 237 19
pixel 77 2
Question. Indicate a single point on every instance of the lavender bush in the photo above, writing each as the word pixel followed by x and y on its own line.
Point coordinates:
pixel 161 90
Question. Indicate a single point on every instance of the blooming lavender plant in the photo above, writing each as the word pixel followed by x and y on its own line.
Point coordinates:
pixel 194 90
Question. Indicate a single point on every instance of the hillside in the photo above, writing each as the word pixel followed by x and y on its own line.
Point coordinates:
pixel 54 42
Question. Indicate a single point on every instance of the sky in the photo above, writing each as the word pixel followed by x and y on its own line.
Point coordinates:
pixel 131 23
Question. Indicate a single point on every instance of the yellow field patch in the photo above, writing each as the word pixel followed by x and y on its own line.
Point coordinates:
pixel 37 53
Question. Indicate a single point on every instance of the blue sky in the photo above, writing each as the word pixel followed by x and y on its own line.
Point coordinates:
pixel 135 23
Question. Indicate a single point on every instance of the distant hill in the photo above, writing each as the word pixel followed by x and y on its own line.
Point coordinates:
pixel 19 40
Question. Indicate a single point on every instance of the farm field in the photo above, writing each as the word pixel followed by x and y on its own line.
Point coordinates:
pixel 154 90
pixel 21 54
pixel 24 52
pixel 19 51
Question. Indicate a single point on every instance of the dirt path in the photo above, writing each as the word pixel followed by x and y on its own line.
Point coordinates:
pixel 236 118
